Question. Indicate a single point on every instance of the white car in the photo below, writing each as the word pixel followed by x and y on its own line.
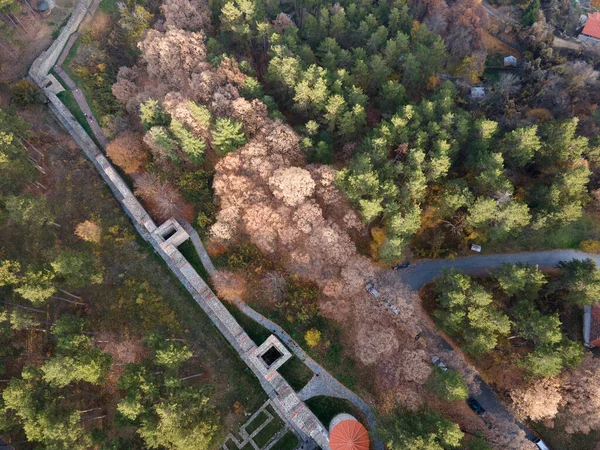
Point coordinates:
pixel 371 290
pixel 436 361
pixel 541 444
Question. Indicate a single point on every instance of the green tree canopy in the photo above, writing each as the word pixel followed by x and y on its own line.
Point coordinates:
pixel 77 269
pixel 153 115
pixel 521 280
pixel 36 286
pixel 183 420
pixel 425 430
pixel 448 385
pixel 466 310
pixel 581 279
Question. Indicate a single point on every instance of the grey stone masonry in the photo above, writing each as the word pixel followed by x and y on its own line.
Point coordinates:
pixel 256 355
pixel 42 65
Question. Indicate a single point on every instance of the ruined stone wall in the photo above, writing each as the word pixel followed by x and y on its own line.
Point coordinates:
pixel 42 65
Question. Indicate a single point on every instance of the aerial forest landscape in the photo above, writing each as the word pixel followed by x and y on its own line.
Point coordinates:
pixel 300 225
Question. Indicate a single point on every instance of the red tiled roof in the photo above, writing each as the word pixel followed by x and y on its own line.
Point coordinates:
pixel 592 26
pixel 595 326
pixel 349 435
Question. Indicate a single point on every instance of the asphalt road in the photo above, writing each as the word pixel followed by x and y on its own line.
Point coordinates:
pixel 421 272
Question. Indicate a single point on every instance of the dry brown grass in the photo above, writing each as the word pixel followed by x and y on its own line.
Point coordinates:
pixel 495 45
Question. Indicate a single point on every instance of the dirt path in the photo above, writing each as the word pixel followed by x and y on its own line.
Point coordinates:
pixel 79 97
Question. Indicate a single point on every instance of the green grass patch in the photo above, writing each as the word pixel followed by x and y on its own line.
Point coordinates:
pixel 256 331
pixel 288 442
pixel 109 7
pixel 494 60
pixel 266 434
pixel 296 373
pixel 326 408
pixel 491 74
pixel 187 249
pixel 330 354
pixel 69 101
pixel 66 66
pixel 257 422
pixel 557 439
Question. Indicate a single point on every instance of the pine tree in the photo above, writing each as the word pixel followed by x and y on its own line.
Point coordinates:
pixel 191 146
pixel 227 136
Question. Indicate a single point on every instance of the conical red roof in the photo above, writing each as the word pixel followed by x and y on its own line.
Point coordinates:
pixel 349 435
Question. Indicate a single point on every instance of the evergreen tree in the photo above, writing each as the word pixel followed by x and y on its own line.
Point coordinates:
pixel 153 115
pixel 227 136
pixel 191 146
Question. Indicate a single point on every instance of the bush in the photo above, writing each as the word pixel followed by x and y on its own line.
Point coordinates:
pixel 25 93
pixel 312 337
pixel 590 246
pixel 448 385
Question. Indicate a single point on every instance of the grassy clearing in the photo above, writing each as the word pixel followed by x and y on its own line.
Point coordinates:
pixel 288 442
pixel 257 332
pixel 266 434
pixel 296 373
pixel 331 355
pixel 187 249
pixel 78 80
pixel 326 408
pixel 257 422
pixel 69 101
pixel 109 7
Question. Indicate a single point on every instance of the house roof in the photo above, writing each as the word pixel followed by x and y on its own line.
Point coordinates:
pixel 592 26
pixel 349 435
pixel 595 326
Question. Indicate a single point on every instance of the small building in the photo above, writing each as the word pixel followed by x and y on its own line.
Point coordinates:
pixel 510 61
pixel 591 30
pixel 591 326
pixel 347 433
pixel 477 92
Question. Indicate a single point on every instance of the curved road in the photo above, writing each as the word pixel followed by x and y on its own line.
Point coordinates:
pixel 423 271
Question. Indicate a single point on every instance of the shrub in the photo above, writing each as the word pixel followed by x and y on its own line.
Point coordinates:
pixel 25 93
pixel 312 337
pixel 590 246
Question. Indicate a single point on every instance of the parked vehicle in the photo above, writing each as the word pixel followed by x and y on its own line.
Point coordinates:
pixel 475 406
pixel 400 266
pixel 371 290
pixel 438 362
pixel 540 444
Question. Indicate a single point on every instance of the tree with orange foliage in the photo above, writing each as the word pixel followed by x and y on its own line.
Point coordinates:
pixel 127 152
pixel 165 201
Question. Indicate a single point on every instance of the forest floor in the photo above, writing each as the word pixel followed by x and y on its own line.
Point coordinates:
pixel 76 193
pixel 26 47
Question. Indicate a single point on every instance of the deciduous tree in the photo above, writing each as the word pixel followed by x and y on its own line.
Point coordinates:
pixel 127 152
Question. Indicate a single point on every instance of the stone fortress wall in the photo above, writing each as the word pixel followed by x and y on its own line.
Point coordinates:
pixel 165 239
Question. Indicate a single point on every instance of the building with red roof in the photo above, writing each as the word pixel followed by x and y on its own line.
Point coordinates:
pixel 347 433
pixel 591 31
